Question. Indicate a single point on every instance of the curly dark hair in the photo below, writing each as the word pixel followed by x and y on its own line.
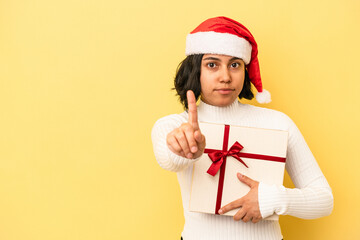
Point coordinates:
pixel 188 78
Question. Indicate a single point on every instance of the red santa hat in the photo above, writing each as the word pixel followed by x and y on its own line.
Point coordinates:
pixel 222 35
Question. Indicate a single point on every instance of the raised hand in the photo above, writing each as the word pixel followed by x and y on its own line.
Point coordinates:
pixel 248 204
pixel 187 140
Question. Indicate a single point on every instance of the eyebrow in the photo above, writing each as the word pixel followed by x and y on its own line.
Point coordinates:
pixel 217 59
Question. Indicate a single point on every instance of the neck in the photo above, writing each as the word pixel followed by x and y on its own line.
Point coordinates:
pixel 218 114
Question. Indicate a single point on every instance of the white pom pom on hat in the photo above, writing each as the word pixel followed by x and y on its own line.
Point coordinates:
pixel 263 97
pixel 222 35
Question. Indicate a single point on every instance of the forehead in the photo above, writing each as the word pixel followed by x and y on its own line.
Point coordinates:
pixel 220 57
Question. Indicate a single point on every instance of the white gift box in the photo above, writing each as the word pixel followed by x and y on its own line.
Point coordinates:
pixel 262 158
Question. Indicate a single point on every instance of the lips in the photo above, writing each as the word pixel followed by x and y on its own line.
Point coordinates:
pixel 224 90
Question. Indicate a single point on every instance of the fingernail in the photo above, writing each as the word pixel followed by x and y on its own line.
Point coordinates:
pixel 221 211
pixel 189 155
pixel 194 149
pixel 240 175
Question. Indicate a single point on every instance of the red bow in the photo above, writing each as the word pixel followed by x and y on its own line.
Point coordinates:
pixel 218 157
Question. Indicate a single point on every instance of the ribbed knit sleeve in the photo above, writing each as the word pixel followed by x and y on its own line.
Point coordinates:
pixel 164 156
pixel 312 197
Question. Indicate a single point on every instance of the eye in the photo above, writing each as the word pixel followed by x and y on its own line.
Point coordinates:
pixel 211 65
pixel 235 65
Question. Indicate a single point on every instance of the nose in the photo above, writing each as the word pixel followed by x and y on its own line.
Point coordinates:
pixel 225 76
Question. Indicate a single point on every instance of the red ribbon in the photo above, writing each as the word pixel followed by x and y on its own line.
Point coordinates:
pixel 218 157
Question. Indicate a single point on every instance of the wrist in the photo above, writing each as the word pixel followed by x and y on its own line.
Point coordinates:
pixel 266 197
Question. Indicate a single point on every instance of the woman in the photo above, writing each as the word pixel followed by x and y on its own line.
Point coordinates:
pixel 220 65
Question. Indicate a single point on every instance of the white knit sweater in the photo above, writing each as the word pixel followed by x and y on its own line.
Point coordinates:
pixel 312 197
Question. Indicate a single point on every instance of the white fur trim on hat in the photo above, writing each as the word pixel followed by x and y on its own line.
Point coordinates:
pixel 218 43
pixel 263 97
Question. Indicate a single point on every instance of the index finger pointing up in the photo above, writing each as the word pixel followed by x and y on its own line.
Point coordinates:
pixel 193 120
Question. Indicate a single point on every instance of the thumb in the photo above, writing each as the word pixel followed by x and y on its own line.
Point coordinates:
pixel 248 181
pixel 200 139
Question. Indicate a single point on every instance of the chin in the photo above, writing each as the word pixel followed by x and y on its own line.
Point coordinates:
pixel 221 101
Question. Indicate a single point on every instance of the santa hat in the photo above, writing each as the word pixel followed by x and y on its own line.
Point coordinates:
pixel 222 35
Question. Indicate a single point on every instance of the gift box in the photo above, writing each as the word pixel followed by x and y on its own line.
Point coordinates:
pixel 254 152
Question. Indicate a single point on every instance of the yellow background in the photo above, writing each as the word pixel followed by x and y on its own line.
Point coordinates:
pixel 82 83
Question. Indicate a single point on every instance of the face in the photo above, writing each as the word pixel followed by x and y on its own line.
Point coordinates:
pixel 222 79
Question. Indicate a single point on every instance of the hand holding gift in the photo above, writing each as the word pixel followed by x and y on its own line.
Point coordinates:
pixel 248 204
pixel 187 140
